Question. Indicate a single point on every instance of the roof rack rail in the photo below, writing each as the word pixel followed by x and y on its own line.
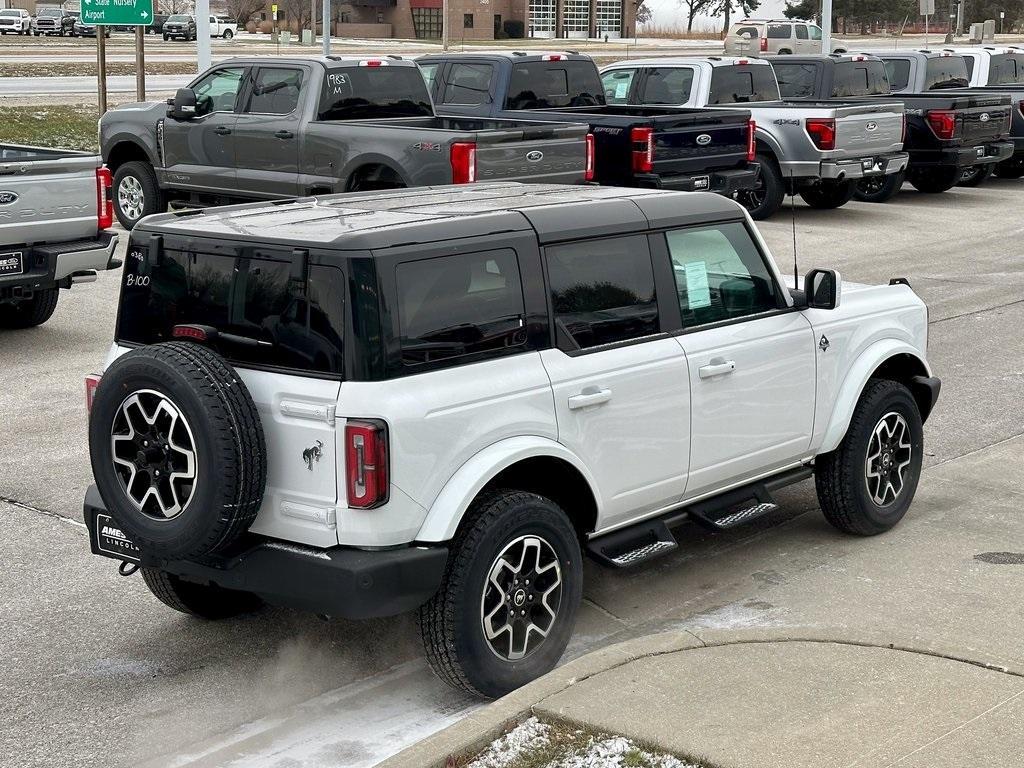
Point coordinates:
pixel 395 56
pixel 571 52
pixel 519 53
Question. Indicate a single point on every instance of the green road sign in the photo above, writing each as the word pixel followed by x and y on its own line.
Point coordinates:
pixel 126 12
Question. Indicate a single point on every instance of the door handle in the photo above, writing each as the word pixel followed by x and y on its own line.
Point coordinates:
pixel 284 135
pixel 221 130
pixel 717 367
pixel 589 397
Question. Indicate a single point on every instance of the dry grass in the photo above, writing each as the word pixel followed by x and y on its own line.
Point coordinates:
pixel 679 32
pixel 68 127
pixel 58 68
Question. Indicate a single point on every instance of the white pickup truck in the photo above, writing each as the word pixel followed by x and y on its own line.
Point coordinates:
pixel 55 210
pixel 439 399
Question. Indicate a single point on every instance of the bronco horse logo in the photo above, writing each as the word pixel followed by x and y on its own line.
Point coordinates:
pixel 313 454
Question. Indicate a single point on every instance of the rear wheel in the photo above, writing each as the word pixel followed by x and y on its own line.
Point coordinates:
pixel 28 313
pixel 228 34
pixel 828 194
pixel 203 600
pixel 766 198
pixel 509 595
pixel 1010 169
pixel 933 181
pixel 879 189
pixel 976 176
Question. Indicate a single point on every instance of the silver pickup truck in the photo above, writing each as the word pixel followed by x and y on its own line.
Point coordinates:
pixel 816 149
pixel 55 208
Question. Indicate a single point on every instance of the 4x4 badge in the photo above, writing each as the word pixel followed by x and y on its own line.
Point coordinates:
pixel 824 343
pixel 313 454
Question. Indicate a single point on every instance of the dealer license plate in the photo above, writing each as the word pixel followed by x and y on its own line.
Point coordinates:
pixel 11 264
pixel 701 182
pixel 112 541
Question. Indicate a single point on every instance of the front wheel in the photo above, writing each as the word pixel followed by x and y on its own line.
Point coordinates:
pixel 934 181
pixel 508 598
pixel 766 198
pixel 879 189
pixel 136 193
pixel 975 176
pixel 826 195
pixel 203 600
pixel 866 485
pixel 28 313
pixel 228 34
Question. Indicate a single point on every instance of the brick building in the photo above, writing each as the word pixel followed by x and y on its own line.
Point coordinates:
pixel 481 19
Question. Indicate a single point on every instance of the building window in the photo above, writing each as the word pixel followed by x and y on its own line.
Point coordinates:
pixel 467 21
pixel 576 18
pixel 427 23
pixel 346 17
pixel 608 17
pixel 380 17
pixel 542 18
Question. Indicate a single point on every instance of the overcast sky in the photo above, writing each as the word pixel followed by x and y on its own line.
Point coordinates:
pixel 669 11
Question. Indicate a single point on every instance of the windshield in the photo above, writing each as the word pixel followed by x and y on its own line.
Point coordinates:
pixel 179 18
pixel 555 84
pixel 743 83
pixel 260 315
pixel 48 12
pixel 946 72
pixel 9 13
pixel 372 93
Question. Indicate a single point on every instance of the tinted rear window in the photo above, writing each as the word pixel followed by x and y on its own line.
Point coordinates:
pixel 796 81
pixel 261 317
pixel 898 72
pixel 779 31
pixel 946 72
pixel 554 84
pixel 859 78
pixel 361 93
pixel 742 84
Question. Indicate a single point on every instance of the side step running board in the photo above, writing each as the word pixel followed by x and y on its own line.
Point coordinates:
pixel 651 538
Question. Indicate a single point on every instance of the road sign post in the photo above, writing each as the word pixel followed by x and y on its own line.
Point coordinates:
pixel 140 62
pixel 128 13
pixel 101 69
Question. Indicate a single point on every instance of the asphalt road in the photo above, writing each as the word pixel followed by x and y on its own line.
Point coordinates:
pixel 96 672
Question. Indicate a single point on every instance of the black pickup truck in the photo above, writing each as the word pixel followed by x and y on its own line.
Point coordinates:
pixel 655 147
pixel 952 137
pixel 258 129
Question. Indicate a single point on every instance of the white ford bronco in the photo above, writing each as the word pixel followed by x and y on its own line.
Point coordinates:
pixel 440 399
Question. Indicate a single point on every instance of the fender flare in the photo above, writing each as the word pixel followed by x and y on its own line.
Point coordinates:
pixel 857 378
pixel 140 141
pixel 770 142
pixel 450 505
pixel 369 160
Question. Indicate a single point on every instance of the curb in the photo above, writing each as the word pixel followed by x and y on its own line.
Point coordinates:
pixel 477 730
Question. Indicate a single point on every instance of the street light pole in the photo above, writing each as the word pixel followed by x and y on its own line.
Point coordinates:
pixel 444 24
pixel 327 27
pixel 826 26
pixel 203 34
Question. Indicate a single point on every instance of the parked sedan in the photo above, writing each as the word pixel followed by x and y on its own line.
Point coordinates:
pixel 16 21
pixel 82 29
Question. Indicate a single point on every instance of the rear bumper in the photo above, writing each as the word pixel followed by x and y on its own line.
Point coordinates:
pixel 340 581
pixel 963 157
pixel 46 265
pixel 720 182
pixel 859 167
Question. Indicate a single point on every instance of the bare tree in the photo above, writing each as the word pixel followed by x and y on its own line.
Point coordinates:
pixel 295 11
pixel 694 8
pixel 242 11
pixel 171 7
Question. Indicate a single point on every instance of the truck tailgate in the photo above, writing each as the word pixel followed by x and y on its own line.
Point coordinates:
pixel 984 124
pixel 46 196
pixel 714 142
pixel 528 151
pixel 870 129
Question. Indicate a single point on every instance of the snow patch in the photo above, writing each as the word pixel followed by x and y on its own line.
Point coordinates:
pixel 525 738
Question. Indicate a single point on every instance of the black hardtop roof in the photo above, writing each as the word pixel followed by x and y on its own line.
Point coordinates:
pixel 384 219
pixel 517 56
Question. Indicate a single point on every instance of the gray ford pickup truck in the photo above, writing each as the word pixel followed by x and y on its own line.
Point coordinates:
pixel 250 129
pixel 55 209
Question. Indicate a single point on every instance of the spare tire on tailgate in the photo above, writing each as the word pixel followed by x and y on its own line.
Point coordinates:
pixel 177 449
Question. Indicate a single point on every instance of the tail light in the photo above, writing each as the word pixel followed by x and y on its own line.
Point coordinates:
pixel 366 463
pixel 1020 106
pixel 764 44
pixel 372 63
pixel 751 143
pixel 553 57
pixel 822 132
pixel 942 122
pixel 91 382
pixel 588 172
pixel 104 199
pixel 463 162
pixel 643 149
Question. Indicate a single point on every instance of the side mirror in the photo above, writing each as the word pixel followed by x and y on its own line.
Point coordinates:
pixel 823 288
pixel 183 105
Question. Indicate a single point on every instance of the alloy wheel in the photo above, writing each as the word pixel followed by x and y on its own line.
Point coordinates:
pixel 888 458
pixel 521 599
pixel 131 198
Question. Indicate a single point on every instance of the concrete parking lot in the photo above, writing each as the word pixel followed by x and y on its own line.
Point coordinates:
pixel 97 672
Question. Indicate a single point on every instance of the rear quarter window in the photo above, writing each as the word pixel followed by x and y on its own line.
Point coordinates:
pixel 743 83
pixel 780 31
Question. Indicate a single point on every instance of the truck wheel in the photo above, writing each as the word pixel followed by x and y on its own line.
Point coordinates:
pixel 866 485
pixel 975 176
pixel 933 181
pixel 28 313
pixel 879 189
pixel 136 193
pixel 203 600
pixel 766 198
pixel 228 34
pixel 829 194
pixel 177 449
pixel 508 598
pixel 166 38
pixel 1010 169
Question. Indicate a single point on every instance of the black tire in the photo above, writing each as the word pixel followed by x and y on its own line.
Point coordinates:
pixel 153 198
pixel 826 195
pixel 785 52
pixel 934 181
pixel 1010 169
pixel 166 38
pixel 764 200
pixel 452 622
pixel 976 175
pixel 205 601
pixel 28 313
pixel 841 477
pixel 228 34
pixel 203 407
pixel 879 189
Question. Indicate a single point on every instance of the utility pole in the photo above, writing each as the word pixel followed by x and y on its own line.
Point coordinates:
pixel 203 34
pixel 101 68
pixel 826 26
pixel 327 27
pixel 140 63
pixel 312 22
pixel 444 24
